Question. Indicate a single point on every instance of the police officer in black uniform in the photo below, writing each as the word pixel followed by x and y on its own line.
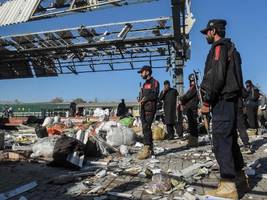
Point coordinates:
pixel 242 124
pixel 148 101
pixel 190 103
pixel 252 106
pixel 221 90
pixel 169 98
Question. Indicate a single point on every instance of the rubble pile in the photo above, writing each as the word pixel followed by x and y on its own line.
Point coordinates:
pixel 103 154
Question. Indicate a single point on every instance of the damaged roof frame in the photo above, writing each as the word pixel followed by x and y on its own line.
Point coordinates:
pixel 107 47
pixel 19 11
pixel 87 49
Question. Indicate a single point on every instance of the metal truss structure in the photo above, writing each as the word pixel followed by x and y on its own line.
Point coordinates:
pixel 162 43
pixel 108 47
pixel 19 11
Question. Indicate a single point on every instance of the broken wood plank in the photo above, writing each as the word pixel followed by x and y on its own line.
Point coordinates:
pixel 17 191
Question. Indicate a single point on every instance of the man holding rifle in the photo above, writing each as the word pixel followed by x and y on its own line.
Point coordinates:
pixel 190 102
pixel 220 91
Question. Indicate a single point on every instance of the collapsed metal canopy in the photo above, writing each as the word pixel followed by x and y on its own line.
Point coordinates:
pixel 19 11
pixel 109 47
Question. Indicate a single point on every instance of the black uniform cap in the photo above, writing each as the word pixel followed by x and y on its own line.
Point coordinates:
pixel 191 77
pixel 248 82
pixel 146 67
pixel 166 82
pixel 214 23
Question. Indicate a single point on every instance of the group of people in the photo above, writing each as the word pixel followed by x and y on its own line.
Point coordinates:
pixel 221 93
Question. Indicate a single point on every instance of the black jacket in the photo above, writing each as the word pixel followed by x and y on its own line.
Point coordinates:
pixel 169 99
pixel 190 99
pixel 221 77
pixel 150 93
pixel 122 109
pixel 253 97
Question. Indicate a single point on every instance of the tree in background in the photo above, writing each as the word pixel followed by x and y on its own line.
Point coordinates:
pixel 57 100
pixel 16 101
pixel 79 100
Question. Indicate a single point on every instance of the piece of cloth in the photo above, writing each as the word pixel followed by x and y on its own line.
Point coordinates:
pixel 226 148
pixel 169 99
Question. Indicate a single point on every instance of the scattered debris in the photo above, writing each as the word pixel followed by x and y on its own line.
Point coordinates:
pixel 160 183
pixel 17 191
pixel 122 195
pixel 63 179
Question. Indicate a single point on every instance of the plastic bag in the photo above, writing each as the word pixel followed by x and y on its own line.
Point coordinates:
pixel 68 123
pixel 158 133
pixel 44 147
pixel 56 119
pixel 160 183
pixel 127 121
pixel 117 136
pixel 48 121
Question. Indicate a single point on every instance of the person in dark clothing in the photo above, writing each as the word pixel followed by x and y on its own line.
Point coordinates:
pixel 148 101
pixel 220 90
pixel 190 103
pixel 242 125
pixel 169 98
pixel 121 110
pixel 252 106
pixel 72 109
pixel 262 113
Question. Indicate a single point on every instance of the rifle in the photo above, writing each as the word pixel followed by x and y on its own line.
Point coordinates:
pixel 139 98
pixel 205 117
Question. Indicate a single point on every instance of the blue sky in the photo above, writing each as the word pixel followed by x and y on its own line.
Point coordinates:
pixel 246 26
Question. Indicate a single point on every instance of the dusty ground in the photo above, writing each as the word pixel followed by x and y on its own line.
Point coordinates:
pixel 175 157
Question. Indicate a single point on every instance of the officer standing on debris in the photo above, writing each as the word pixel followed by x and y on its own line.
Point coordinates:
pixel 252 106
pixel 148 102
pixel 169 98
pixel 220 90
pixel 241 122
pixel 190 103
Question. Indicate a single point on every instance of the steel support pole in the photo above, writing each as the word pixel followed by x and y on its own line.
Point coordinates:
pixel 178 51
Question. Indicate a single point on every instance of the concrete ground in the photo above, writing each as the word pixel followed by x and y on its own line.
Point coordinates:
pixel 171 157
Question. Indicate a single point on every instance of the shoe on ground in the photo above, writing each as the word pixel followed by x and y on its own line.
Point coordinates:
pixel 226 189
pixel 145 152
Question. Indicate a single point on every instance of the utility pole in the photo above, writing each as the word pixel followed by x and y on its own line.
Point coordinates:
pixel 178 53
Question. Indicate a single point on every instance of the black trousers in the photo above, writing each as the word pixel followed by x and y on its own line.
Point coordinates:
pixel 179 124
pixel 241 126
pixel 147 120
pixel 170 129
pixel 252 116
pixel 226 148
pixel 192 116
